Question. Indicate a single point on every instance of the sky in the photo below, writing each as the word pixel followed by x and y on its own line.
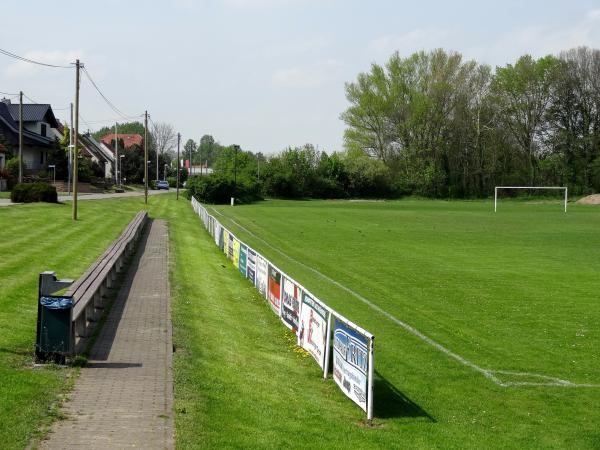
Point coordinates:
pixel 263 74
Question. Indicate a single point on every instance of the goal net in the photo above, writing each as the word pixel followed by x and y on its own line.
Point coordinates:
pixel 531 188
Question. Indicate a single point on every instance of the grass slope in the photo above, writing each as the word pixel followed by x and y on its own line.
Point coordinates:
pixel 35 238
pixel 516 290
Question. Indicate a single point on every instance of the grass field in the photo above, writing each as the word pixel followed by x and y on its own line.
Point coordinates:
pixel 516 291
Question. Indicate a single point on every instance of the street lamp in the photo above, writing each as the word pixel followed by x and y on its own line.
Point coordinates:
pixel 52 166
pixel 235 148
pixel 120 162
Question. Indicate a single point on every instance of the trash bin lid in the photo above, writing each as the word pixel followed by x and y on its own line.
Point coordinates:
pixel 57 302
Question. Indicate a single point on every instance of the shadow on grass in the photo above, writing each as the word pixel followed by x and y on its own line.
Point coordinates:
pixel 391 403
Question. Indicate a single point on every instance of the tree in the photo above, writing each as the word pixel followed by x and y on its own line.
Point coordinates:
pixel 523 93
pixel 190 149
pixel 164 137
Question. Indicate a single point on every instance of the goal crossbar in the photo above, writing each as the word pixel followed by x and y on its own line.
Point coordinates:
pixel 566 189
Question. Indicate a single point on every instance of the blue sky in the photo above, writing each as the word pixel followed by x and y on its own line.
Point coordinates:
pixel 265 74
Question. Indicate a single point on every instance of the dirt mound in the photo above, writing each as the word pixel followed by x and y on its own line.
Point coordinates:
pixel 593 199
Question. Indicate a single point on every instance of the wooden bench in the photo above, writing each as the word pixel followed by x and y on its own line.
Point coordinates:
pixel 88 292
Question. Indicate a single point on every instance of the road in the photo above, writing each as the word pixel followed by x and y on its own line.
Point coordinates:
pixel 65 198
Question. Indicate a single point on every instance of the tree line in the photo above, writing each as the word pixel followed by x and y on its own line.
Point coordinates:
pixel 446 127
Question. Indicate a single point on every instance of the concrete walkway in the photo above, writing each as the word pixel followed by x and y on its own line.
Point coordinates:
pixel 124 396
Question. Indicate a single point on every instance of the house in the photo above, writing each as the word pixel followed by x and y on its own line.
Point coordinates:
pixel 99 153
pixel 40 131
pixel 199 169
pixel 128 140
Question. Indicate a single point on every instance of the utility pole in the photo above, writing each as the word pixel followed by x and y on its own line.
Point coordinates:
pixel 191 147
pixel 75 139
pixel 70 168
pixel 116 155
pixel 146 156
pixel 178 163
pixel 20 136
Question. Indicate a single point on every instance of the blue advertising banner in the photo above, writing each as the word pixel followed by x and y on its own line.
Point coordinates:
pixel 242 259
pixel 251 266
pixel 351 362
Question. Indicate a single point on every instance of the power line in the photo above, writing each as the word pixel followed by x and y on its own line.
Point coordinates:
pixel 31 61
pixel 8 93
pixel 108 102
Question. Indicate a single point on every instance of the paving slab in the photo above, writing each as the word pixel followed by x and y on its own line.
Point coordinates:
pixel 123 398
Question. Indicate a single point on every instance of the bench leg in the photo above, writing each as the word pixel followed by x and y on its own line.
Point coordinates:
pixel 81 325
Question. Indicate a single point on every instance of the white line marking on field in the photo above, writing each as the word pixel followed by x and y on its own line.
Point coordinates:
pixel 488 373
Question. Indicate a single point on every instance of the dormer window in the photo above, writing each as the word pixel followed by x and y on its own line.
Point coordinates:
pixel 43 130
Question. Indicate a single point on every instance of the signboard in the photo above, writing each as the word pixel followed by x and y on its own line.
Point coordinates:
pixel 350 362
pixel 225 241
pixel 262 275
pixel 219 235
pixel 242 264
pixel 314 324
pixel 251 266
pixel 236 253
pixel 230 247
pixel 275 289
pixel 290 304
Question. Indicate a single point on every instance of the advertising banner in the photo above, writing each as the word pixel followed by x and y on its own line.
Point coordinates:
pixel 251 266
pixel 350 362
pixel 313 331
pixel 242 259
pixel 225 241
pixel 290 304
pixel 262 275
pixel 275 289
pixel 230 247
pixel 236 253
pixel 219 235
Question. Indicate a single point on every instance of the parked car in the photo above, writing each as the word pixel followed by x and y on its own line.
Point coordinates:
pixel 162 184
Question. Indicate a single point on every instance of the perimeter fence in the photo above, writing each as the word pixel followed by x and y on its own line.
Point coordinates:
pixel 313 322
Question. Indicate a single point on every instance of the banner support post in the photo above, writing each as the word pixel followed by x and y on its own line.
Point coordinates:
pixel 370 386
pixel 327 346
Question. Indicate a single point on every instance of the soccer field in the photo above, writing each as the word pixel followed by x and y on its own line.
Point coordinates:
pixel 486 323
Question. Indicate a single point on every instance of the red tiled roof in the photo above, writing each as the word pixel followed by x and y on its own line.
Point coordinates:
pixel 128 139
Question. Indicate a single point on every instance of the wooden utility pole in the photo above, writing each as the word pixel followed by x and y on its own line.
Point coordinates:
pixel 146 157
pixel 116 156
pixel 178 163
pixel 75 139
pixel 20 136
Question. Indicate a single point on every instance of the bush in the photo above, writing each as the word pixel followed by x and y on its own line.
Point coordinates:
pixel 220 189
pixel 34 192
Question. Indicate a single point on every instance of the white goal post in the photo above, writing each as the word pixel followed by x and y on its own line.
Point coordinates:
pixel 566 189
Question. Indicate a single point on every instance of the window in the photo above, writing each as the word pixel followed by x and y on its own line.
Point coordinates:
pixel 43 131
pixel 41 157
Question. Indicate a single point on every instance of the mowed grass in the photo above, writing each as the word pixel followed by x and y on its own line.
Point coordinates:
pixel 239 381
pixel 513 291
pixel 38 237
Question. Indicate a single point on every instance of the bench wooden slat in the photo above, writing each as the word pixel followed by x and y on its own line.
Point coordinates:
pixel 86 287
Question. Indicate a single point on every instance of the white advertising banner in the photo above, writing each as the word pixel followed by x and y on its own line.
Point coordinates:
pixel 314 323
pixel 262 275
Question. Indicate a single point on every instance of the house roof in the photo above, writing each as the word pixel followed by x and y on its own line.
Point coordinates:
pixel 10 124
pixel 33 112
pixel 129 140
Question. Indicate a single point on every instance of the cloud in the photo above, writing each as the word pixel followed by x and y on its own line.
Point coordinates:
pixel 58 57
pixel 315 75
